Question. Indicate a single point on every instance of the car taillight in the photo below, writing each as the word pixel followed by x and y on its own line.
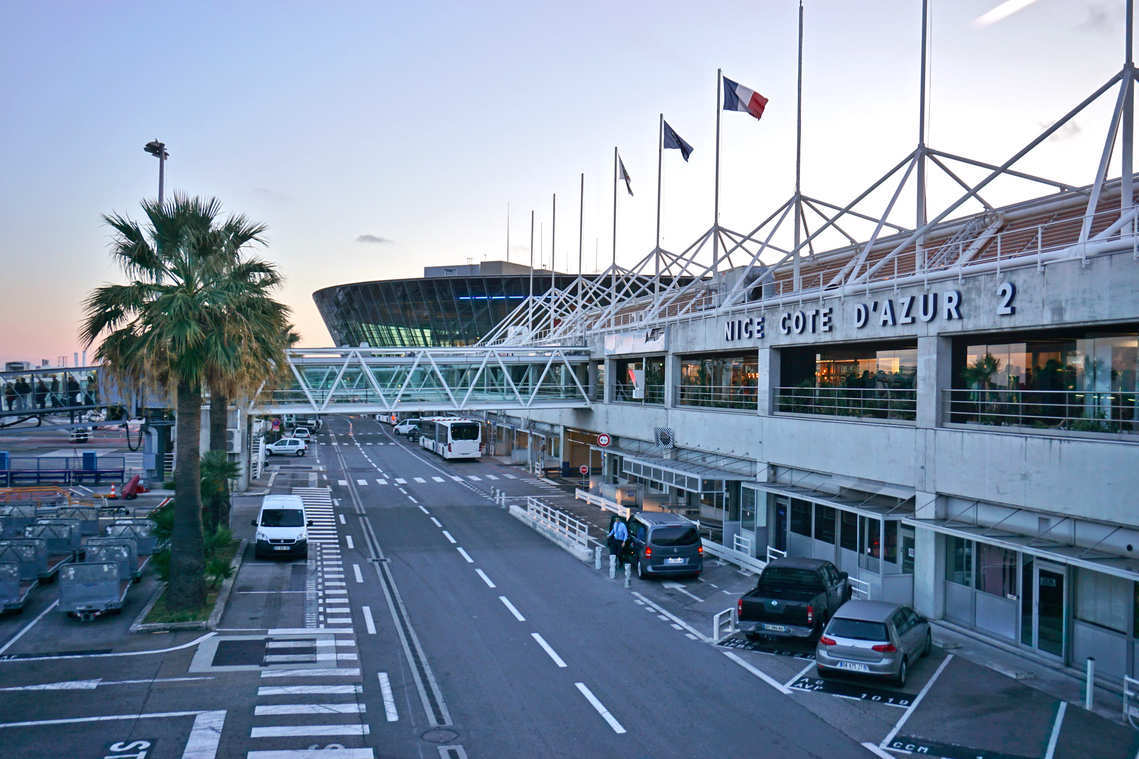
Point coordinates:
pixel 648 552
pixel 884 648
pixel 825 641
pixel 810 614
pixel 700 550
pixel 739 606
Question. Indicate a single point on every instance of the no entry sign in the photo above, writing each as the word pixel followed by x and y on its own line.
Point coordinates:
pixel 603 440
pixel 583 469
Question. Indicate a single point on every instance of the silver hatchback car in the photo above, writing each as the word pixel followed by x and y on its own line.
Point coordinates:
pixel 873 638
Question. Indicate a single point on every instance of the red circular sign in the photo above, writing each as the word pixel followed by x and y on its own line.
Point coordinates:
pixel 603 440
pixel 583 469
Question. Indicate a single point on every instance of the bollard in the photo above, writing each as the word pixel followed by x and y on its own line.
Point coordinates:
pixel 1089 684
pixel 612 567
pixel 597 558
pixel 628 574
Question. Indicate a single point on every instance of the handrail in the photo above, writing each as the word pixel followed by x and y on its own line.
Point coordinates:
pixel 602 502
pixel 875 402
pixel 718 396
pixel 653 393
pixel 558 521
pixel 1072 410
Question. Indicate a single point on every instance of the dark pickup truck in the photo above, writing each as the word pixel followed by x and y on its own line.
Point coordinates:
pixel 793 598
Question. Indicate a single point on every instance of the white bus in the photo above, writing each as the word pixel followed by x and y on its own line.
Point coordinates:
pixel 452 438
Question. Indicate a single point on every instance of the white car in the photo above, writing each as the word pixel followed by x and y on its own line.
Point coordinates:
pixel 302 433
pixel 287 446
pixel 407 427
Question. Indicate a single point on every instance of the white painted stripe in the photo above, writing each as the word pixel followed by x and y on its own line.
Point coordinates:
pixel 546 647
pixel 356 572
pixel 381 481
pixel 437 478
pixel 205 735
pixel 474 478
pixel 436 522
pixel 29 626
pixel 456 478
pixel 287 658
pixel 799 674
pixel 425 511
pixel 289 731
pixel 517 614
pixel 308 690
pixel 449 538
pixel 361 482
pixel 420 480
pixel 652 607
pixel 369 623
pixel 758 673
pixel 400 481
pixel 342 519
pixel 389 699
pixel 336 601
pixel 490 477
pixel 342 483
pixel 272 710
pixel 485 579
pixel 412 499
pixel 876 751
pixel 465 555
pixel 910 710
pixel 331 672
pixel 1055 736
pixel 275 632
pixel 509 476
pixel 605 715
pixel 290 643
pixel 351 545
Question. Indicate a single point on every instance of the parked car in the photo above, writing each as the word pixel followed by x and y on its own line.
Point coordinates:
pixel 873 638
pixel 282 527
pixel 79 434
pixel 287 446
pixel 663 543
pixel 407 427
pixel 302 433
pixel 793 598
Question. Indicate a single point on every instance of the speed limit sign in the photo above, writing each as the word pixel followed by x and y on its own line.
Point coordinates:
pixel 603 440
pixel 583 469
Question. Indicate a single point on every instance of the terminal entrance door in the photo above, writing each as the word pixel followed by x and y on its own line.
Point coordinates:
pixel 1044 606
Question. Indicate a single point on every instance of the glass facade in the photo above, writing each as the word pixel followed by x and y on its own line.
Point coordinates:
pixel 878 381
pixel 719 381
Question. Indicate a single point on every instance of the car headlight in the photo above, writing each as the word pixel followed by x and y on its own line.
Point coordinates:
pixel 262 536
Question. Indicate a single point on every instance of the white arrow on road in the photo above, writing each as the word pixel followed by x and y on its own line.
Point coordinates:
pixel 682 589
pixel 93 684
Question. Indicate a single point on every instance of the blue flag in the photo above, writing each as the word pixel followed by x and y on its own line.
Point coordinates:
pixel 673 140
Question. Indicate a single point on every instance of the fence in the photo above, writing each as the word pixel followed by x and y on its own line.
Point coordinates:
pixel 626 393
pixel 1073 410
pixel 874 402
pixel 559 522
pixel 745 397
pixel 602 502
pixel 859 588
pixel 62 470
pixel 1130 695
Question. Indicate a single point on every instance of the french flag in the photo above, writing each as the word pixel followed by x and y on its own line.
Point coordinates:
pixel 740 98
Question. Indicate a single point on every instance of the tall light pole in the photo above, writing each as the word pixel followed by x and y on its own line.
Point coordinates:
pixel 158 150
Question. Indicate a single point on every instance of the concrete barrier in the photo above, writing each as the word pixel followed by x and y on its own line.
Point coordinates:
pixel 574 547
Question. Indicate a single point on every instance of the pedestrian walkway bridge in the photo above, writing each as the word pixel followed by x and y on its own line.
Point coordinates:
pixel 379 380
pixel 47 391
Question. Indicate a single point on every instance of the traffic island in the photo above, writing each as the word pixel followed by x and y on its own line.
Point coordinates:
pixel 156 617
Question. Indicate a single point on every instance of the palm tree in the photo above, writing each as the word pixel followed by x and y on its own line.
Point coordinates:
pixel 173 325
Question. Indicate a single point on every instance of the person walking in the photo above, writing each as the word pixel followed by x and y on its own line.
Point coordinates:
pixel 618 534
pixel 53 394
pixel 10 396
pixel 40 394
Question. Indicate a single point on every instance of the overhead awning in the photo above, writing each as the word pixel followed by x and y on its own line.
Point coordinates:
pixel 1050 550
pixel 694 478
pixel 878 507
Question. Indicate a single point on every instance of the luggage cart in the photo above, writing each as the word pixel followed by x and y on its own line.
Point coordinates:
pixel 14 590
pixel 30 554
pixel 135 563
pixel 14 518
pixel 92 588
pixel 61 538
pixel 141 530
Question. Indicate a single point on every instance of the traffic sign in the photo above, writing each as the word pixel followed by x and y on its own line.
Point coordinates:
pixel 583 469
pixel 603 440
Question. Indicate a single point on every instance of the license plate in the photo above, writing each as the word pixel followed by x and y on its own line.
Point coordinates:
pixel 677 560
pixel 852 666
pixel 775 628
pixel 281 548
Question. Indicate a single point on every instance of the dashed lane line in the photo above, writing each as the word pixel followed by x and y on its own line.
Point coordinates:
pixel 549 650
pixel 465 555
pixel 596 704
pixel 517 614
pixel 487 580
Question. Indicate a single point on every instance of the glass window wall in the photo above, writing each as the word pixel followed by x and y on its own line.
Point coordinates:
pixel 824 523
pixel 1103 599
pixel 639 380
pixel 959 561
pixel 877 381
pixel 719 381
pixel 996 570
pixel 800 517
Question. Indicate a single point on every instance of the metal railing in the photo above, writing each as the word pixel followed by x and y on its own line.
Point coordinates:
pixel 602 502
pixel 871 402
pixel 744 542
pixel 724 624
pixel 775 553
pixel 625 393
pixel 744 397
pixel 574 530
pixel 859 588
pixel 732 556
pixel 1071 410
pixel 1130 696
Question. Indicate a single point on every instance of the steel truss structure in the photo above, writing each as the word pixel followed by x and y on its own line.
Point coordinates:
pixel 379 380
pixel 725 270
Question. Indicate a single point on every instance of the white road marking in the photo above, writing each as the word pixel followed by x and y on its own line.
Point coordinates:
pixel 348 540
pixel 491 477
pixel 289 731
pixel 272 710
pixel 204 736
pixel 877 751
pixel 381 481
pixel 690 636
pixel 449 538
pixel 29 626
pixel 437 478
pixel 652 607
pixel 456 478
pixel 400 481
pixel 356 572
pixel 342 483
pixel 546 647
pixel 517 614
pixel 389 699
pixel 369 623
pixel 361 482
pixel 605 715
pixel 910 709
pixel 509 476
pixel 331 672
pixel 1051 750
pixel 412 499
pixel 420 480
pixel 474 478
pixel 799 674
pixel 307 690
pixel 678 587
pixel 485 579
pixel 425 511
pixel 465 555
pixel 758 673
pixel 436 522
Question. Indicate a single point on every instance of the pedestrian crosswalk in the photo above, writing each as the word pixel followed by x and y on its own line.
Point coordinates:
pixel 363 482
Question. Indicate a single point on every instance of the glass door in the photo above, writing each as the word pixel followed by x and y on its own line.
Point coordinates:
pixel 1050 608
pixel 779 537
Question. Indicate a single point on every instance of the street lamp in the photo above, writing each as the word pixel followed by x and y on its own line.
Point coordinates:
pixel 158 150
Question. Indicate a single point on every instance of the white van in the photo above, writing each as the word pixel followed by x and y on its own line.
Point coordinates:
pixel 282 527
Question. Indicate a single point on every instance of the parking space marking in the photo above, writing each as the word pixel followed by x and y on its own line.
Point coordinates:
pixel 759 673
pixel 910 710
pixel 799 674
pixel 28 626
pixel 596 704
pixel 1055 736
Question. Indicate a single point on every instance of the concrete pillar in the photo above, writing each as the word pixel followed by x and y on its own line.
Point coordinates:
pixel 935 373
pixel 671 379
pixel 768 380
pixel 929 573
pixel 591 373
pixel 610 379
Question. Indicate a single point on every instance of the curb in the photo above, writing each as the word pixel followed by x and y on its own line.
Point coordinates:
pixel 578 551
pixel 215 616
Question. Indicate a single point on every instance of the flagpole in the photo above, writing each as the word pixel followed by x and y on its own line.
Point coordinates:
pixel 796 276
pixel 716 195
pixel 613 270
pixel 580 241
pixel 530 300
pixel 553 255
pixel 656 250
pixel 508 231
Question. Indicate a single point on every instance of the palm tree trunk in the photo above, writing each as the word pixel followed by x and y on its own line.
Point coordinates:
pixel 217 509
pixel 187 589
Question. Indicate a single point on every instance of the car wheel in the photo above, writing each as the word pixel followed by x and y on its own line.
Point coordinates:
pixel 902 672
pixel 300 453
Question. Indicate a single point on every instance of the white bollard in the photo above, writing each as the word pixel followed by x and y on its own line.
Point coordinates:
pixel 628 574
pixel 612 567
pixel 1089 684
pixel 597 558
